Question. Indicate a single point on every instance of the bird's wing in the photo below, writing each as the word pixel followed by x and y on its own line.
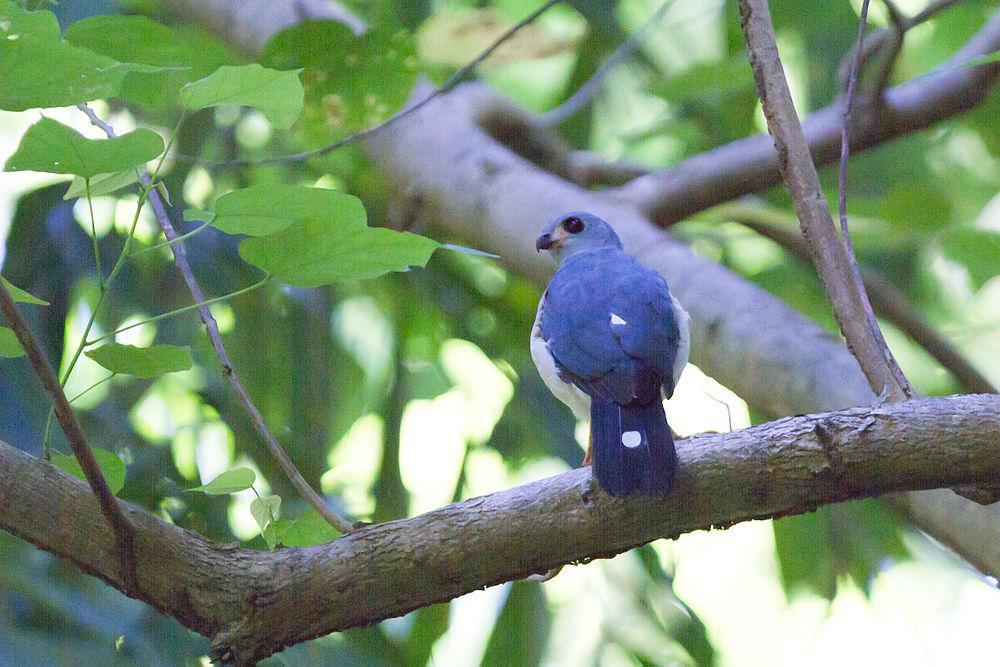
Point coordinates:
pixel 609 325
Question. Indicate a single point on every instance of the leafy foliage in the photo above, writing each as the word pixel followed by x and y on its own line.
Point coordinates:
pixel 143 362
pixel 111 465
pixel 278 95
pixel 52 147
pixel 10 347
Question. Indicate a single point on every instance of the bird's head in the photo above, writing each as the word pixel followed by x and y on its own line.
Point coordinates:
pixel 576 232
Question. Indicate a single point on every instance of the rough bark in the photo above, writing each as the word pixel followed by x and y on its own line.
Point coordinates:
pixel 254 603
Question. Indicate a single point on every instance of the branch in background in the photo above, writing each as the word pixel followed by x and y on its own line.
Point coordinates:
pixel 830 256
pixel 212 327
pixel 458 77
pixel 592 86
pixel 861 299
pixel 121 532
pixel 888 301
pixel 751 164
pixel 252 603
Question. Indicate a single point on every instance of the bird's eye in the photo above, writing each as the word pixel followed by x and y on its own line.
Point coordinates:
pixel 573 225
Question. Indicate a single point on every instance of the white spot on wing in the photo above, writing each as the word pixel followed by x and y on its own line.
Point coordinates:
pixel 631 439
pixel 615 319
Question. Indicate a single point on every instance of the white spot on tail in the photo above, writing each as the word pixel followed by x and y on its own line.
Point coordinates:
pixel 631 439
pixel 615 319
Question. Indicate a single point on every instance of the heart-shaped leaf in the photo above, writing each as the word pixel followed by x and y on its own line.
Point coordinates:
pixel 16 23
pixel 277 95
pixel 231 481
pixel 307 530
pixel 265 513
pixel 265 209
pixel 319 252
pixel 111 465
pixel 101 184
pixel 144 362
pixel 54 148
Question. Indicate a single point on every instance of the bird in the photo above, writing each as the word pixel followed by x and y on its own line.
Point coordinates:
pixel 610 341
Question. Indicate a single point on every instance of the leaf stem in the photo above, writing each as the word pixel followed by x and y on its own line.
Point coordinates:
pixel 179 311
pixel 93 234
pixel 166 244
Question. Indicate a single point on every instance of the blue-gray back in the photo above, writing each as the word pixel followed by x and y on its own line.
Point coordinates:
pixel 609 323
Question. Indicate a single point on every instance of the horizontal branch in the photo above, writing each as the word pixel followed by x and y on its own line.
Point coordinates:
pixel 254 603
pixel 751 164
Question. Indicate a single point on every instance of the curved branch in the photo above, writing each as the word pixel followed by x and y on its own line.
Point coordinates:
pixel 751 164
pixel 255 603
pixel 834 259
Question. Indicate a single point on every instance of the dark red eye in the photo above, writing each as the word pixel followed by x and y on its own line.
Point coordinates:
pixel 573 224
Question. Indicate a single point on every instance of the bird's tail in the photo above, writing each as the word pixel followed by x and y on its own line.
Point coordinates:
pixel 632 448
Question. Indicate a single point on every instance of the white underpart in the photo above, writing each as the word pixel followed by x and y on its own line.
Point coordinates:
pixel 567 392
pixel 631 439
pixel 615 319
pixel 684 341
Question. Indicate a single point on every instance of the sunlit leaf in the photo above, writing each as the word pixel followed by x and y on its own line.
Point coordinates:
pixel 265 512
pixel 184 55
pixel 20 296
pixel 51 147
pixel 308 529
pixel 978 250
pixel 265 209
pixel 231 481
pixel 198 215
pixel 16 23
pixel 111 465
pixel 522 628
pixel 39 73
pixel 320 252
pixel 278 95
pixel 352 81
pixel 101 184
pixel 10 347
pixel 455 37
pixel 145 362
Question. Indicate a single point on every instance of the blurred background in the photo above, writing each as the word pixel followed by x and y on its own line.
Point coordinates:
pixel 401 394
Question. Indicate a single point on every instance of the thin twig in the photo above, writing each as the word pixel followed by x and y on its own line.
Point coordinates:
pixel 888 301
pixel 212 327
pixel 112 511
pixel 592 86
pixel 835 268
pixel 845 151
pixel 355 137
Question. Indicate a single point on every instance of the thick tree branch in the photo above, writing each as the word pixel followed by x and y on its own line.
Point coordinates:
pixel 254 603
pixel 751 164
pixel 834 260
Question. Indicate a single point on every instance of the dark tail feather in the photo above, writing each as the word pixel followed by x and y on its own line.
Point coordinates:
pixel 632 448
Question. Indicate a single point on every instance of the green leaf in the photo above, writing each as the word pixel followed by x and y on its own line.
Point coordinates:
pixel 16 23
pixel 265 209
pixel 265 513
pixel 307 530
pixel 111 465
pixel 40 73
pixel 10 346
pixel 352 82
pixel 101 184
pixel 852 539
pixel 231 481
pixel 977 250
pixel 320 252
pixel 198 215
pixel 20 296
pixel 983 60
pixel 144 362
pixel 522 628
pixel 184 54
pixel 277 95
pixel 54 148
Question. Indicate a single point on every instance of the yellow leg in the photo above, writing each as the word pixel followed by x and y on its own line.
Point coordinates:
pixel 590 450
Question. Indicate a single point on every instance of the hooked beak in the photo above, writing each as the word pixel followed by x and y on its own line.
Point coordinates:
pixel 544 242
